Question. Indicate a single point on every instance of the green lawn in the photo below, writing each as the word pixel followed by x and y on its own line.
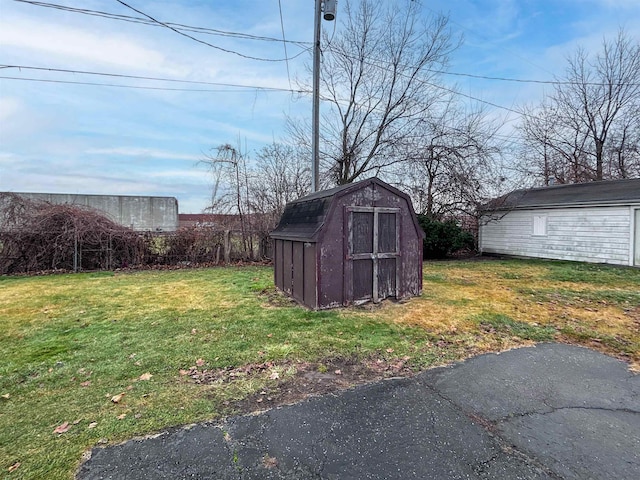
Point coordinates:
pixel 107 354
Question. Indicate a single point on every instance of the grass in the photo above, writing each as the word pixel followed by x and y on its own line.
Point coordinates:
pixel 70 343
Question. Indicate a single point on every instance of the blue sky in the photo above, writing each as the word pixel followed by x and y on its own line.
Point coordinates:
pixel 71 138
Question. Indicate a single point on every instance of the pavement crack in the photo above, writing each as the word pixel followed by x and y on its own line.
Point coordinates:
pixel 557 409
pixel 232 451
pixel 319 448
pixel 506 447
pixel 482 467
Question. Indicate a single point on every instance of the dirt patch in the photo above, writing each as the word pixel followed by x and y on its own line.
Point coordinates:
pixel 291 382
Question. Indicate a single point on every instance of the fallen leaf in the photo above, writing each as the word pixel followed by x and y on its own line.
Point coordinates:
pixel 133 355
pixel 338 372
pixel 117 398
pixel 6 396
pixel 15 466
pixel 269 462
pixel 184 372
pixel 92 425
pixel 62 428
pixel 85 384
pixel 75 422
pixel 199 362
pixel 270 335
pixel 121 417
pixel 389 350
pixel 193 331
pixel 274 375
pixel 145 376
pixel 138 363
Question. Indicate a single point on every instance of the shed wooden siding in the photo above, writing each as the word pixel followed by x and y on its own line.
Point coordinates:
pixel 336 275
pixel 321 263
pixel 586 234
pixel 295 274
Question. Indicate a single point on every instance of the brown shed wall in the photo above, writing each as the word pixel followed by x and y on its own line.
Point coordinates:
pixel 295 270
pixel 332 267
pixel 336 282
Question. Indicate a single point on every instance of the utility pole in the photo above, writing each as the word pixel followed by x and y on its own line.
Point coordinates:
pixel 329 15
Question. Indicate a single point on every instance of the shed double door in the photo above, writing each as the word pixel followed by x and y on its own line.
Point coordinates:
pixel 373 253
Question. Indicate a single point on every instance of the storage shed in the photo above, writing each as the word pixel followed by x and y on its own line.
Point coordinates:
pixel 597 222
pixel 348 245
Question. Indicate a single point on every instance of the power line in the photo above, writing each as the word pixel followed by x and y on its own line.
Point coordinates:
pixel 245 36
pixel 145 21
pixel 284 42
pixel 141 87
pixel 521 80
pixel 138 77
pixel 424 82
pixel 207 43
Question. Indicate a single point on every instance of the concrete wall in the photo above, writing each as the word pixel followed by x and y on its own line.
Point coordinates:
pixel 585 234
pixel 136 212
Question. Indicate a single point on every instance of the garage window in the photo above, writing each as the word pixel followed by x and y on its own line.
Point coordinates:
pixel 539 225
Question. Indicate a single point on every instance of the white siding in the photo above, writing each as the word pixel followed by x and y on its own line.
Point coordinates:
pixel 593 234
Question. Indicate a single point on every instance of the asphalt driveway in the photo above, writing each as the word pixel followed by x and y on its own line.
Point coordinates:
pixel 547 412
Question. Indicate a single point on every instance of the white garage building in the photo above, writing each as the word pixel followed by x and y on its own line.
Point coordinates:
pixel 597 222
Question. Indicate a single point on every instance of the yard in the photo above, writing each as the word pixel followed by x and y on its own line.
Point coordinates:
pixel 98 358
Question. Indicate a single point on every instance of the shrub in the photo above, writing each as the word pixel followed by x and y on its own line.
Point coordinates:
pixel 443 238
pixel 43 236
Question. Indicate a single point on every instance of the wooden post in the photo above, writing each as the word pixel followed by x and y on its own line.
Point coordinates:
pixel 227 246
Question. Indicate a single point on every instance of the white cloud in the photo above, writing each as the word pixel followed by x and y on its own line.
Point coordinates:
pixel 19 121
pixel 192 175
pixel 54 40
pixel 142 152
pixel 9 108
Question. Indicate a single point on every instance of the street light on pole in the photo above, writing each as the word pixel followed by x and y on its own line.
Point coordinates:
pixel 329 15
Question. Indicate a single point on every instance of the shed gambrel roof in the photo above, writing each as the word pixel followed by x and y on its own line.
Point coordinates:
pixel 304 218
pixel 608 192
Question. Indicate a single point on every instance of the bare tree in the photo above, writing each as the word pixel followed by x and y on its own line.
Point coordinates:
pixel 589 124
pixel 452 160
pixel 280 175
pixel 622 157
pixel 230 191
pixel 553 147
pixel 376 80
